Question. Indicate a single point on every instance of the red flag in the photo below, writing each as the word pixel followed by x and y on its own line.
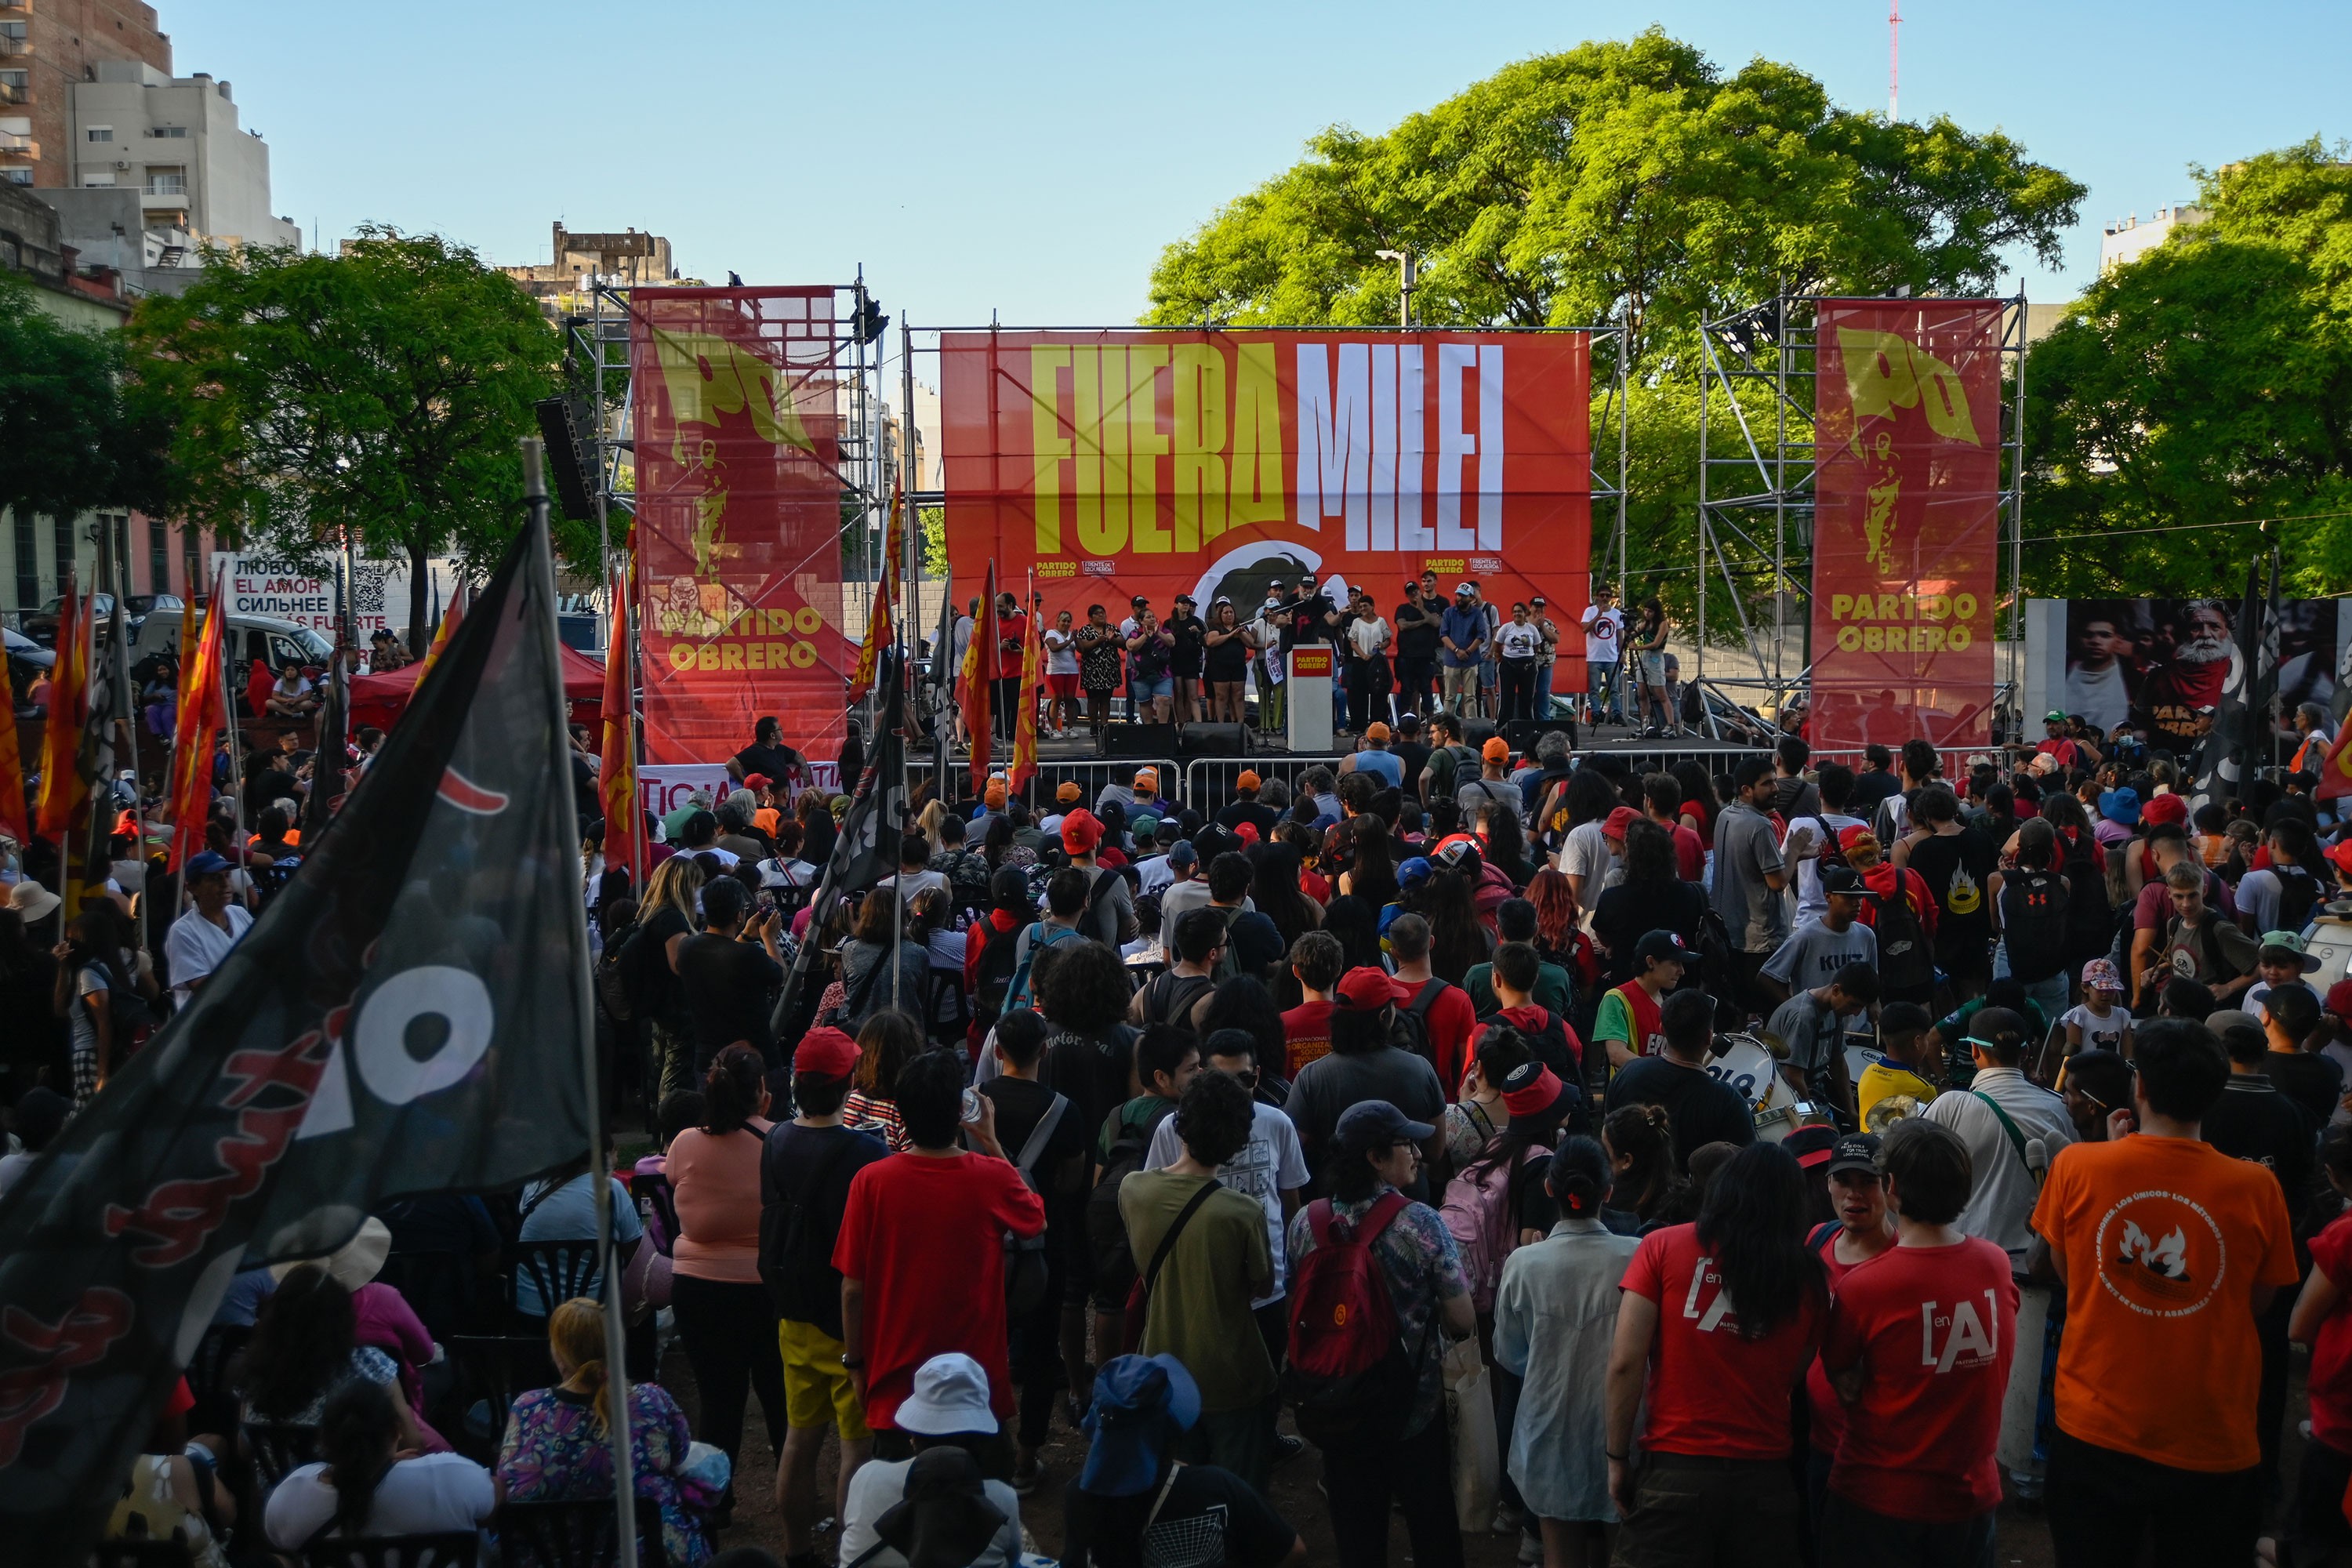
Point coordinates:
pixel 616 772
pixel 199 715
pixel 2336 772
pixel 879 627
pixel 63 793
pixel 449 619
pixel 14 822
pixel 1033 681
pixel 979 667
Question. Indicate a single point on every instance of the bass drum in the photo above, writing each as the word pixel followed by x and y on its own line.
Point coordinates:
pixel 1748 1065
pixel 1859 1059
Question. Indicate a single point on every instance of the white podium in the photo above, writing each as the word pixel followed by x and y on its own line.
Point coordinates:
pixel 1307 702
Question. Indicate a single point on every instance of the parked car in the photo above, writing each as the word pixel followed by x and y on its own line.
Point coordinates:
pixel 41 625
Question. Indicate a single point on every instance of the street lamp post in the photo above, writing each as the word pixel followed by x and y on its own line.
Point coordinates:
pixel 1405 274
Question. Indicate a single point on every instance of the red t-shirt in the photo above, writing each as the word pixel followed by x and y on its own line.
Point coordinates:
pixel 1012 629
pixel 1934 1329
pixel 1453 1023
pixel 1713 1392
pixel 1316 886
pixel 1829 1412
pixel 1690 853
pixel 926 1238
pixel 2331 1353
pixel 1307 1028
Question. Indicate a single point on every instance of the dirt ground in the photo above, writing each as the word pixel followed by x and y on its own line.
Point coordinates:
pixel 2024 1540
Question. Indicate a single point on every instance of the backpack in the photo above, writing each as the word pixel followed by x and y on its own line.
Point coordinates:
pixel 2090 922
pixel 1025 1273
pixel 1412 1020
pixel 2034 925
pixel 1348 1376
pixel 1041 936
pixel 270 881
pixel 1477 1209
pixel 1171 997
pixel 612 985
pixel 792 1246
pixel 2298 893
pixel 1905 960
pixel 994 976
pixel 1114 1260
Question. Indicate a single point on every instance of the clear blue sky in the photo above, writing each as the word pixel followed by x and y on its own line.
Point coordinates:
pixel 1033 159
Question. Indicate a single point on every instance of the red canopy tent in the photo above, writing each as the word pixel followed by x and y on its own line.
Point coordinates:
pixel 379 699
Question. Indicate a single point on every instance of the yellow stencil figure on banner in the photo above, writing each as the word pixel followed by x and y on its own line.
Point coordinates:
pixel 708 377
pixel 1885 371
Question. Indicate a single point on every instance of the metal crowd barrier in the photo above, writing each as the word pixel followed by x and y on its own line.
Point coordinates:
pixel 1090 773
pixel 1202 772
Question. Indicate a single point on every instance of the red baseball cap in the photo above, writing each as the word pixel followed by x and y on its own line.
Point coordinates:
pixel 1080 831
pixel 1811 1145
pixel 827 1052
pixel 2339 999
pixel 1622 818
pixel 1363 990
pixel 2165 808
pixel 1850 836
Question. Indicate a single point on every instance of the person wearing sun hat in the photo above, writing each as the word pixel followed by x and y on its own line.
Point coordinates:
pixel 1133 1503
pixel 934 1510
pixel 381 1316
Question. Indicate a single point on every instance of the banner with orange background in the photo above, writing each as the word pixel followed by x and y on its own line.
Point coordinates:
pixel 1907 530
pixel 1116 463
pixel 738 519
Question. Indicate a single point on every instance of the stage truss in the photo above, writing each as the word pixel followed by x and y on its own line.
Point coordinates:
pixel 1756 475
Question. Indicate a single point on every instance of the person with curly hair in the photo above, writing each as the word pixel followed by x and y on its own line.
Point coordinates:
pixel 887 1042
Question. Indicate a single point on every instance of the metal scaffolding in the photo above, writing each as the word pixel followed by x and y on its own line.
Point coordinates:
pixel 1757 473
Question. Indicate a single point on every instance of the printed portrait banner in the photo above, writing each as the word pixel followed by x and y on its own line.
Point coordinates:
pixel 1907 528
pixel 2166 667
pixel 1116 463
pixel 739 519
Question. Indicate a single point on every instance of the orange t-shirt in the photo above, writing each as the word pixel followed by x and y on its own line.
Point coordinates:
pixel 2163 1241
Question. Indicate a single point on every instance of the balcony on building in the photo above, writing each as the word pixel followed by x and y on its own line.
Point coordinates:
pixel 16 144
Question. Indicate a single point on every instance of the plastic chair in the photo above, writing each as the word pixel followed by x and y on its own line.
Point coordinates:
pixel 279 1449
pixel 434 1285
pixel 561 1270
pixel 447 1549
pixel 580 1535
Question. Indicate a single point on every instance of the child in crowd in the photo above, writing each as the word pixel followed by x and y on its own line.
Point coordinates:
pixel 2100 1023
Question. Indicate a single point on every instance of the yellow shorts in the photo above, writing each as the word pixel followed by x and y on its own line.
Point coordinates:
pixel 817 1384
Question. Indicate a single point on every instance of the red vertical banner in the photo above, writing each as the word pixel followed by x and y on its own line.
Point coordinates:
pixel 1906 528
pixel 738 539
pixel 1114 463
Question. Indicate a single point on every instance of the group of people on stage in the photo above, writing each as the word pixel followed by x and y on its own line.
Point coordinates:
pixel 1471 655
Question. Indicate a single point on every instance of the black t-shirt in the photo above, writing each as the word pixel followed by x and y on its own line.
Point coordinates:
pixel 2315 1083
pixel 1415 757
pixel 1092 1071
pixel 1871 787
pixel 1416 641
pixel 583 788
pixel 1227 662
pixel 2260 1124
pixel 778 763
pixel 1703 1109
pixel 1955 867
pixel 1189 632
pixel 1264 817
pixel 1257 940
pixel 728 985
pixel 1020 1104
pixel 645 966
pixel 1303 620
pixel 1627 912
pixel 812 1165
pixel 266 788
pixel 1210 1517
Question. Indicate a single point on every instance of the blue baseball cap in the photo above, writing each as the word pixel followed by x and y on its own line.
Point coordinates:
pixel 205 863
pixel 1412 873
pixel 1141 1403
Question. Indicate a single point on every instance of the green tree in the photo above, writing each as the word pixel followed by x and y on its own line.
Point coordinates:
pixel 381 391
pixel 2210 381
pixel 67 442
pixel 1625 182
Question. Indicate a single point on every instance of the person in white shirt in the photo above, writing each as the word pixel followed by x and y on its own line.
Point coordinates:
pixel 1061 673
pixel 2010 1148
pixel 2095 684
pixel 362 1490
pixel 1517 642
pixel 1604 640
pixel 1271 1168
pixel 949 1410
pixel 202 937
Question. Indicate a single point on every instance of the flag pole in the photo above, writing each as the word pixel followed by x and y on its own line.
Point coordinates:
pixel 617 1366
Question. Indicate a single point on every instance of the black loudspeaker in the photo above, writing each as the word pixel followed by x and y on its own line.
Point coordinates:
pixel 1144 740
pixel 1214 741
pixel 568 458
pixel 1477 732
pixel 1523 734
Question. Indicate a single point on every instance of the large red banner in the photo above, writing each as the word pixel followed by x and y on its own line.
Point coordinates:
pixel 738 519
pixel 1208 463
pixel 1907 530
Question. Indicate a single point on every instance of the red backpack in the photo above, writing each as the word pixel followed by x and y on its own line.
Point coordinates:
pixel 1349 1377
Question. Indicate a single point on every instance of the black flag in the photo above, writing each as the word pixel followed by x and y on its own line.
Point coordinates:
pixel 410 1016
pixel 2237 743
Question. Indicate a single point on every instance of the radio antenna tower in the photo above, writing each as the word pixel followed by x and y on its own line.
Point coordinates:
pixel 1894 54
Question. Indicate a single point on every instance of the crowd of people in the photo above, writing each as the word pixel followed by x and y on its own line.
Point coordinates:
pixel 1789 1164
pixel 1472 656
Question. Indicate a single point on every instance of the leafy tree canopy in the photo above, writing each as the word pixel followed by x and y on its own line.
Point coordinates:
pixel 2207 381
pixel 381 391
pixel 1631 182
pixel 66 443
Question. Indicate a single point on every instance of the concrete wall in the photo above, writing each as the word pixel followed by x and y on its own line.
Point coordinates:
pixel 156 124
